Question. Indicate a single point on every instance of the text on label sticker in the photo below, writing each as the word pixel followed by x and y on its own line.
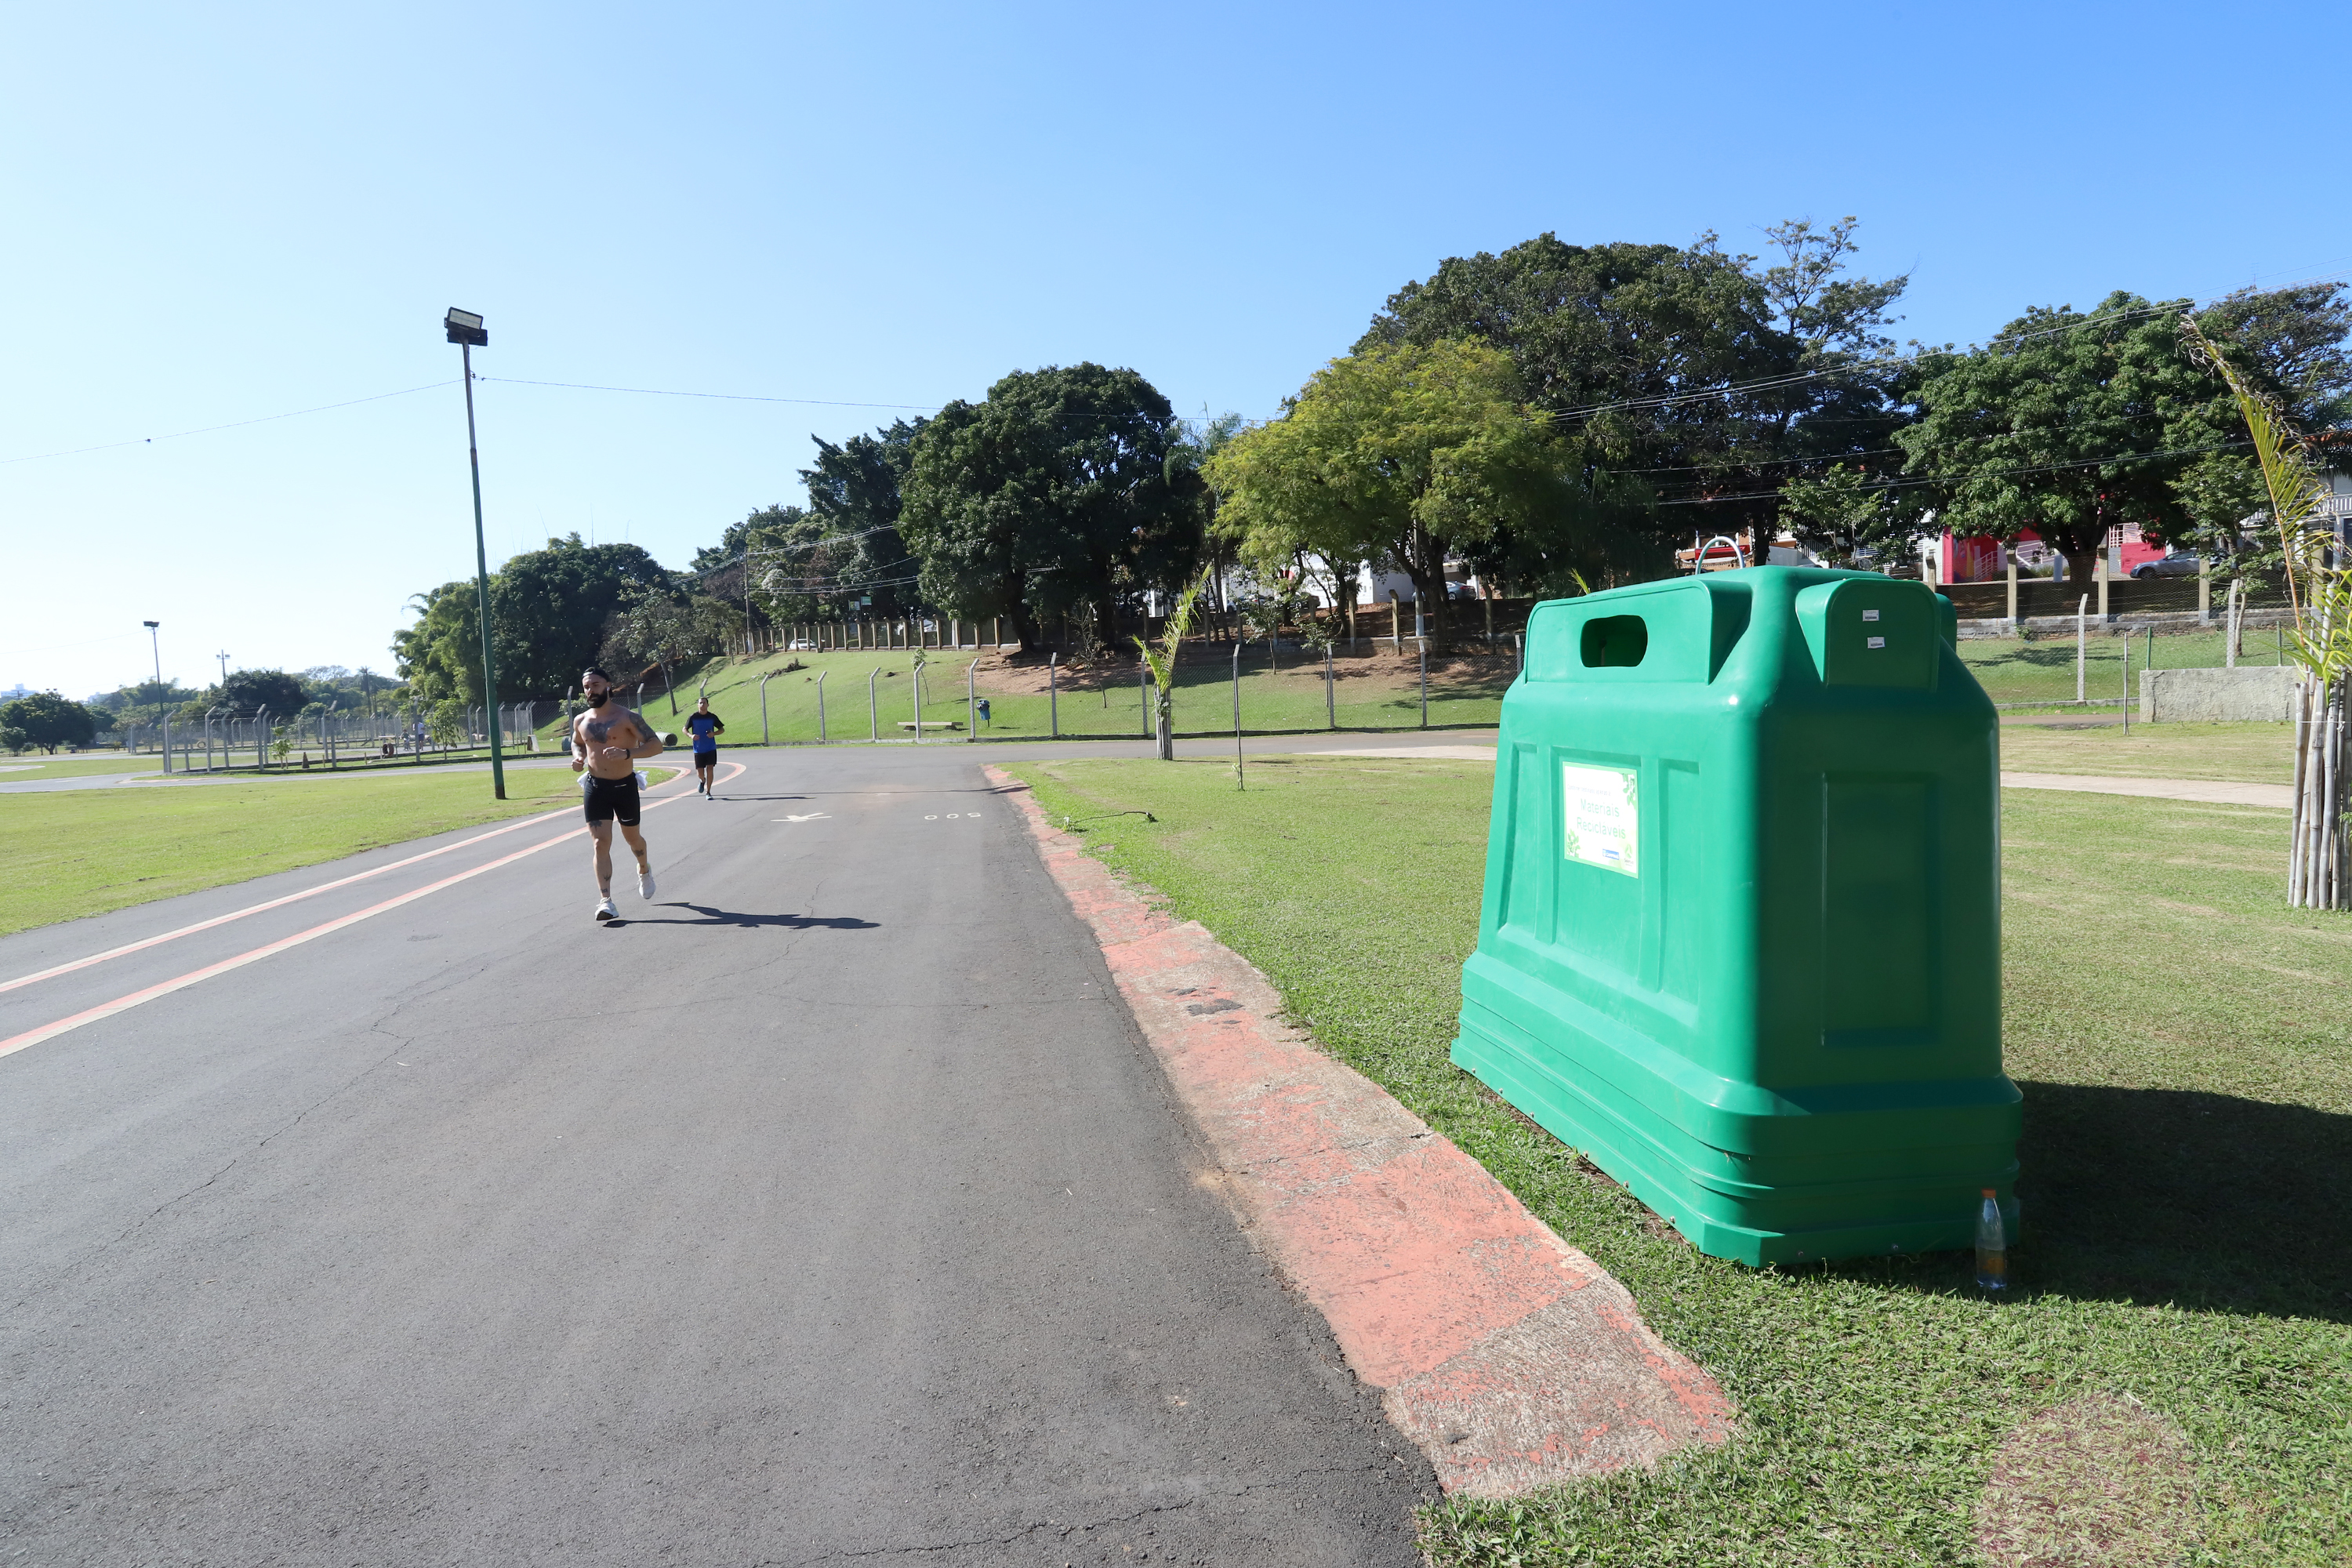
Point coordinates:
pixel 1878 642
pixel 1603 819
pixel 1869 614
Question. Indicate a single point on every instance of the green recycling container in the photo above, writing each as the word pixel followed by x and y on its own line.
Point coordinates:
pixel 1740 944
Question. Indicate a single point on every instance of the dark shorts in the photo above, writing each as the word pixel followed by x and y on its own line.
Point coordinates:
pixel 703 759
pixel 609 800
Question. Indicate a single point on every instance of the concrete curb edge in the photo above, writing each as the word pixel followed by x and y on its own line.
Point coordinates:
pixel 1508 1357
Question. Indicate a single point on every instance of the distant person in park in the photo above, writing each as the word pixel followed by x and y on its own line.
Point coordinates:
pixel 706 727
pixel 608 741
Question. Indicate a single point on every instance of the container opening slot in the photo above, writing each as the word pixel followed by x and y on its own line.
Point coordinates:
pixel 1622 641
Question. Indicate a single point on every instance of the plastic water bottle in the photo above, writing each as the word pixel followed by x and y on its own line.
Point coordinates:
pixel 1992 1245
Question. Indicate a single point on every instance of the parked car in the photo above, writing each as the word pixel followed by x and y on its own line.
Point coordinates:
pixel 2180 566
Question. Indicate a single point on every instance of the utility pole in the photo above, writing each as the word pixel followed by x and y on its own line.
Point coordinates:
pixel 465 330
pixel 223 657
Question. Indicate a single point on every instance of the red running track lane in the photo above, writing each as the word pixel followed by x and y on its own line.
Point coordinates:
pixel 123 1003
pixel 1509 1357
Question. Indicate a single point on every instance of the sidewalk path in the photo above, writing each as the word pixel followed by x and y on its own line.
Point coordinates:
pixel 2210 792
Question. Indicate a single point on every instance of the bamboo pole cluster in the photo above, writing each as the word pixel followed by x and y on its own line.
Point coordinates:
pixel 2319 592
pixel 2318 877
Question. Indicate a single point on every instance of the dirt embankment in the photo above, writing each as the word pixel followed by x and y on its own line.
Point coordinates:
pixel 1382 665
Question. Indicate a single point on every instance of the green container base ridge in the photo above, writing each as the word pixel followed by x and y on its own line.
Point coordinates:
pixel 1741 942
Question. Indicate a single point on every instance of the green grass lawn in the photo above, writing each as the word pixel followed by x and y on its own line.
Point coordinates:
pixel 2181 1039
pixel 33 765
pixel 84 852
pixel 2244 753
pixel 2013 671
pixel 1369 691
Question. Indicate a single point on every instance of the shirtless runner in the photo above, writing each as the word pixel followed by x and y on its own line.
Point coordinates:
pixel 609 742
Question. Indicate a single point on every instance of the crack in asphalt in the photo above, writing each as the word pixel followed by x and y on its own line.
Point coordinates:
pixel 1032 1530
pixel 400 1043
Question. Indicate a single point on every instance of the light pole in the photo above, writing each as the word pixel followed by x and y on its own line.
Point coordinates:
pixel 155 645
pixel 465 330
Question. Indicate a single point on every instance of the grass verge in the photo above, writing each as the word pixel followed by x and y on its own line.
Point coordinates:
pixel 84 852
pixel 2181 1039
pixel 2239 753
pixel 1371 689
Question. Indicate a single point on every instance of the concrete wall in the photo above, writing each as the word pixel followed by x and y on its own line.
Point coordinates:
pixel 2264 692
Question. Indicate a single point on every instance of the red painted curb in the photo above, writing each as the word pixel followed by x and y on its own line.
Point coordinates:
pixel 1509 1356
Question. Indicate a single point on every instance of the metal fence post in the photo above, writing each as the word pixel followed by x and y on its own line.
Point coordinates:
pixel 819 705
pixel 1054 693
pixel 915 682
pixel 261 737
pixel 1239 781
pixel 764 705
pixel 1330 701
pixel 2082 644
pixel 971 693
pixel 873 708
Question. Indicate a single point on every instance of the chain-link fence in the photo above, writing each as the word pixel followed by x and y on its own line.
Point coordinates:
pixel 332 738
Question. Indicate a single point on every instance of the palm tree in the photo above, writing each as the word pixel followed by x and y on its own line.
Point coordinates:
pixel 2319 862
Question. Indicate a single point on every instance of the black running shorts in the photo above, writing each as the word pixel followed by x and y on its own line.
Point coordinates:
pixel 610 800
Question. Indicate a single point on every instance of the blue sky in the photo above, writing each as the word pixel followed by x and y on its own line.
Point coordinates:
pixel 223 214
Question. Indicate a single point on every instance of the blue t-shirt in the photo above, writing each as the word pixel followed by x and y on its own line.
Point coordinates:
pixel 705 727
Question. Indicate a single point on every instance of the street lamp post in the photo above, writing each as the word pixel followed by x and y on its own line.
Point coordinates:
pixel 156 646
pixel 465 330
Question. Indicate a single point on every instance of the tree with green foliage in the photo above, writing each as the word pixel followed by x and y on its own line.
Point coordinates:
pixel 14 741
pixel 1053 498
pixel 48 720
pixel 2068 423
pixel 440 656
pixel 247 691
pixel 1686 384
pixel 547 610
pixel 1402 453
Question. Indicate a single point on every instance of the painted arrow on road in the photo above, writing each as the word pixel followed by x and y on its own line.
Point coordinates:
pixel 811 816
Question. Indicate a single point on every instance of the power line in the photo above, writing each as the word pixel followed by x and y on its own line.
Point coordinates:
pixel 1915 481
pixel 233 425
pixel 718 396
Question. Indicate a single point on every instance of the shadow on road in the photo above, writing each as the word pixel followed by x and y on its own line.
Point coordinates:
pixel 716 917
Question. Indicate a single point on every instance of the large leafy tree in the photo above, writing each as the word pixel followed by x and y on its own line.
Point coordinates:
pixel 440 656
pixel 2069 423
pixel 1055 496
pixel 245 692
pixel 1405 454
pixel 1689 384
pixel 547 610
pixel 47 720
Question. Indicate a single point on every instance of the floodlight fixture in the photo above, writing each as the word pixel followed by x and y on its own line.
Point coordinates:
pixel 465 327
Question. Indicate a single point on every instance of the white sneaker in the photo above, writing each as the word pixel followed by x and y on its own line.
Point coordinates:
pixel 645 884
pixel 606 911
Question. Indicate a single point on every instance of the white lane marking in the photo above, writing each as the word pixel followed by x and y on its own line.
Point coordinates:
pixel 16 1043
pixel 811 816
pixel 141 946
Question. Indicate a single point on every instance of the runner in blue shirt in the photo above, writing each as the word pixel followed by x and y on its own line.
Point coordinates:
pixel 706 727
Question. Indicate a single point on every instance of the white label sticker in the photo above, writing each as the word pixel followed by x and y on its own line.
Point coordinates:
pixel 1869 614
pixel 1877 642
pixel 1603 824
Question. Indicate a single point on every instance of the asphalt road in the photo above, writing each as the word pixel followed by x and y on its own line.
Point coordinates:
pixel 828 1208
